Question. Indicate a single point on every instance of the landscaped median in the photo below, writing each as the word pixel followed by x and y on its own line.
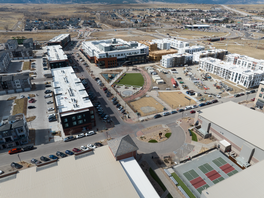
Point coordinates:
pixel 184 187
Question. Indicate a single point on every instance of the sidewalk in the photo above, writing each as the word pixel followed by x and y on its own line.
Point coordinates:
pixel 154 94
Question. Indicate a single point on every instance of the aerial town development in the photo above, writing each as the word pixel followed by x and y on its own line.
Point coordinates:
pixel 123 101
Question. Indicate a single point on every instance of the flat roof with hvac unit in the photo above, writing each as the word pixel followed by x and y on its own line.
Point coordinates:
pixel 55 53
pixel 70 94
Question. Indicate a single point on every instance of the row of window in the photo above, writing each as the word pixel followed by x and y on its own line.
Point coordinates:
pixel 116 55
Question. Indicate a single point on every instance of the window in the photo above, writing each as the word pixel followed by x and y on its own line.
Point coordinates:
pixel 74 123
pixel 79 117
pixel 91 112
pixel 80 121
pixel 66 125
pixel 92 116
pixel 73 118
pixel 65 120
pixel 84 120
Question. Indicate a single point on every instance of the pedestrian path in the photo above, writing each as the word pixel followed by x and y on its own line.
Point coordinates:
pixel 155 94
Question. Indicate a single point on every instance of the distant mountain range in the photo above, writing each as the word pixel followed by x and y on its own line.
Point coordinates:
pixel 135 1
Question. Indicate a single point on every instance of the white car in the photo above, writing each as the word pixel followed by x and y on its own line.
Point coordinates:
pixel 209 95
pixel 22 96
pixel 218 96
pixel 89 133
pixel 80 135
pixel 84 148
pixel 1 172
pixel 91 146
pixel 48 96
pixel 51 109
pixel 194 106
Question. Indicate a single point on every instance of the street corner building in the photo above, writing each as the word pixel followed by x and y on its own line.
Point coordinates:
pixel 72 101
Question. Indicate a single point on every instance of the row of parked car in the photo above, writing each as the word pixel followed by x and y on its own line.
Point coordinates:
pixel 21 149
pixel 57 155
pixel 118 106
pixel 242 94
pixel 81 135
pixel 101 113
pixel 186 108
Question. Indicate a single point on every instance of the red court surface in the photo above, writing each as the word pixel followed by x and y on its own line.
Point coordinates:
pixel 197 182
pixel 227 168
pixel 212 175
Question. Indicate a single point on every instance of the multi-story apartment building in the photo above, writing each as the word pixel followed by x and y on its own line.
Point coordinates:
pixel 73 104
pixel 4 61
pixel 215 53
pixel 62 40
pixel 176 60
pixel 15 83
pixel 13 131
pixel 114 52
pixel 11 44
pixel 244 75
pixel 162 44
pixel 28 43
pixel 56 57
pixel 259 99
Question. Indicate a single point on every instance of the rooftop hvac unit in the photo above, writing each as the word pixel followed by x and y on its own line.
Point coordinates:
pixel 70 92
pixel 66 79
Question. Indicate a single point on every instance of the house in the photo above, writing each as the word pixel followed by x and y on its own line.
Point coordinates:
pixel 11 44
pixel 4 61
pixel 28 43
pixel 13 131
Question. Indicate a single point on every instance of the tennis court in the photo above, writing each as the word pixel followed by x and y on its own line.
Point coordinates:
pixel 205 171
pixel 212 174
pixel 225 167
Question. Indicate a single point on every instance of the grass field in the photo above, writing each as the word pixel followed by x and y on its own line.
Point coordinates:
pixel 20 106
pixel 194 137
pixel 147 106
pixel 132 79
pixel 157 179
pixel 175 99
pixel 184 187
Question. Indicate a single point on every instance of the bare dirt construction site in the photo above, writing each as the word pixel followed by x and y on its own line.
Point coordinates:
pixel 175 99
pixel 146 106
pixel 125 35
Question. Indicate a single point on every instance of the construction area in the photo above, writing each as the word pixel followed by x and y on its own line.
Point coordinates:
pixel 146 106
pixel 176 99
pixel 157 55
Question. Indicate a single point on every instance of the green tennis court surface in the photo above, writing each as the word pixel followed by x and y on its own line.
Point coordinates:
pixel 232 173
pixel 202 188
pixel 190 175
pixel 205 168
pixel 218 180
pixel 219 161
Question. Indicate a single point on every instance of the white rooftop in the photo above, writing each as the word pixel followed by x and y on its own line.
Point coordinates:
pixel 138 178
pixel 247 58
pixel 55 53
pixel 239 120
pixel 70 94
pixel 96 175
pixel 245 184
pixel 58 38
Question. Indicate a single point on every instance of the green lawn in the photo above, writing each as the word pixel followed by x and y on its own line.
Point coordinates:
pixel 132 79
pixel 167 135
pixel 157 179
pixel 153 141
pixel 184 187
pixel 194 137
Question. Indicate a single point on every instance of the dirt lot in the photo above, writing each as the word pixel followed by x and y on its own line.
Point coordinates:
pixel 125 35
pixel 20 106
pixel 26 65
pixel 146 106
pixel 9 19
pixel 175 99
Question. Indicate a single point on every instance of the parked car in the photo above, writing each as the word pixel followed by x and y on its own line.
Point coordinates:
pixel 49 102
pixel 52 119
pixel 70 138
pixel 81 135
pixel 76 150
pixel 253 99
pixel 31 107
pixel 84 148
pixel 253 91
pixel 236 95
pixel 51 109
pixel 28 148
pixel 32 100
pixel 89 133
pixel 53 157
pixel 218 96
pixel 188 108
pixel 16 165
pixel 173 112
pixel 61 154
pixel 118 105
pixel 44 159
pixel 98 144
pixel 166 113
pixel 157 116
pixel 123 111
pixel 68 152
pixel 47 85
pixel 252 108
pixel 179 78
pixel 192 111
pixel 48 96
pixel 35 161
pixel 22 96
pixel 181 110
pixel 91 146
pixel 48 91
pixel 114 99
pixel 120 108
pixel 115 102
pixel 15 150
pixel 194 106
pixel 1 172
pixel 214 101
pixel 201 105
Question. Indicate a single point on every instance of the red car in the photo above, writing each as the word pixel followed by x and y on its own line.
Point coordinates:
pixel 32 100
pixel 15 150
pixel 253 99
pixel 192 111
pixel 76 150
